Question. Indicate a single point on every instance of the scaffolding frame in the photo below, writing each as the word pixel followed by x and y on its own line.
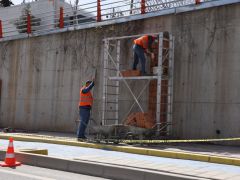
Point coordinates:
pixel 112 76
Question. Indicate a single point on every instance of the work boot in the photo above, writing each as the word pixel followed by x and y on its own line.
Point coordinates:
pixel 145 74
pixel 84 138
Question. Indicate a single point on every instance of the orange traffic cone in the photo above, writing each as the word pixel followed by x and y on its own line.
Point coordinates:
pixel 10 160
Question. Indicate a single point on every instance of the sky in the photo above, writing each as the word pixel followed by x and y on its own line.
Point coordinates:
pixel 124 5
pixel 16 2
pixel 121 3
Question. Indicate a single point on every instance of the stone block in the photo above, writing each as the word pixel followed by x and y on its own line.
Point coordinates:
pixel 139 119
pixel 130 73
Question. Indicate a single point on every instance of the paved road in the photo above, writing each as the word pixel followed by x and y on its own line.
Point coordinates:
pixel 25 172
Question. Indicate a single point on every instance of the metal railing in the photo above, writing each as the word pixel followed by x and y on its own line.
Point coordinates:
pixel 93 12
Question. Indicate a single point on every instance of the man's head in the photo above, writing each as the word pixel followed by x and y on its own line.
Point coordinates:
pixel 88 82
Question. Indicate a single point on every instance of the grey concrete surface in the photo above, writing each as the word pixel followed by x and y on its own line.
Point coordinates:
pixel 26 172
pixel 109 163
pixel 96 169
pixel 200 148
pixel 41 76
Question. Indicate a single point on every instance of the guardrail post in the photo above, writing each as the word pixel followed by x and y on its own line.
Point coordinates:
pixel 99 16
pixel 143 7
pixel 61 20
pixel 197 1
pixel 1 31
pixel 29 29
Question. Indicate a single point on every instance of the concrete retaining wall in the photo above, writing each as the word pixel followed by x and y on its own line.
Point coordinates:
pixel 42 75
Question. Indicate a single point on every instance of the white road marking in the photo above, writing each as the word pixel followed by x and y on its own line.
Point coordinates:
pixel 25 175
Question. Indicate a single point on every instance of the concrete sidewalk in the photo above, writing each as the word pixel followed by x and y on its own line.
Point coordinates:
pixel 97 169
pixel 111 164
pixel 116 165
pixel 201 152
pixel 26 172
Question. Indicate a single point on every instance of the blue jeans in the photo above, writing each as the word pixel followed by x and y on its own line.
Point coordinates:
pixel 84 113
pixel 139 54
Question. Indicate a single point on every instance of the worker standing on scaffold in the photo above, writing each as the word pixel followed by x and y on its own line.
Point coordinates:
pixel 85 105
pixel 142 45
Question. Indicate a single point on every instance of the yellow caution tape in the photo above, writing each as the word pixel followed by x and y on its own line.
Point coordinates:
pixel 157 141
pixel 177 141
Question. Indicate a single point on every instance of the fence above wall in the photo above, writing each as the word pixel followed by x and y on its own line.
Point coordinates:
pixel 34 23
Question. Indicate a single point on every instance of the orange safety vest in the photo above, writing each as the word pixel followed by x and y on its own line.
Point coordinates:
pixel 142 41
pixel 86 99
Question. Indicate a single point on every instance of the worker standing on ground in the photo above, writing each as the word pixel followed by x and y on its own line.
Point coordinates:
pixel 85 105
pixel 142 45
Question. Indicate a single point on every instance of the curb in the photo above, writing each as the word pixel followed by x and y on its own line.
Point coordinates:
pixel 34 151
pixel 95 169
pixel 133 150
